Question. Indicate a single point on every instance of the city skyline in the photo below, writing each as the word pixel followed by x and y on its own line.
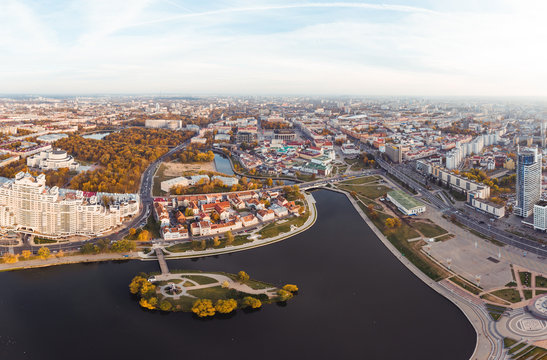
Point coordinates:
pixel 317 48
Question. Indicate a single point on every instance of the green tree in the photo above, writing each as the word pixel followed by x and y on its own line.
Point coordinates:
pixel 165 305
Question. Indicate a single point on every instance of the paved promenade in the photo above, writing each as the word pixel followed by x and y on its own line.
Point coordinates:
pixel 65 260
pixel 489 343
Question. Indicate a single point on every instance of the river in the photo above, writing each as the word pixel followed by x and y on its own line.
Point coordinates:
pixel 357 301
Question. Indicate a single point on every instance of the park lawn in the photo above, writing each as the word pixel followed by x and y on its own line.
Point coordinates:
pixel 201 279
pixel 372 191
pixel 196 245
pixel 493 299
pixel 444 237
pixel 429 230
pixel 508 342
pixel 527 294
pixel 253 284
pixel 516 348
pixel 39 240
pixel 510 295
pixel 525 278
pixel 465 285
pixel 539 292
pixel 361 180
pixel 541 281
pixel 274 229
pixel 180 247
pixel 534 352
pixel 218 292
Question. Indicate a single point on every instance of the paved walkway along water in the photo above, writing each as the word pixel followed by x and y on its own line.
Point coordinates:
pixel 489 345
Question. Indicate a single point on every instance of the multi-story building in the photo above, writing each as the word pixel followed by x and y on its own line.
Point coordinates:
pixel 540 216
pixel 528 181
pixel 52 160
pixel 28 205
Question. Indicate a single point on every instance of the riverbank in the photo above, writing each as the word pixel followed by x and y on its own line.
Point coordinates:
pixel 487 346
pixel 312 218
pixel 65 260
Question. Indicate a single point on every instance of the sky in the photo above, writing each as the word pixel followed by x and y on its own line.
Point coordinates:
pixel 315 47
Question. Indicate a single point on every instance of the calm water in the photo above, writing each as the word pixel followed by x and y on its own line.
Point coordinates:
pixel 223 164
pixel 97 136
pixel 356 302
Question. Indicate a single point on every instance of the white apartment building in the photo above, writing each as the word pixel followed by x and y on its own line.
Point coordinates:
pixel 540 216
pixel 52 160
pixel 28 205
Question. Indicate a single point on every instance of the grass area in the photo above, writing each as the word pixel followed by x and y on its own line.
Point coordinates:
pixel 201 279
pixel 274 229
pixel 39 240
pixel 444 237
pixel 541 281
pixel 214 293
pixel 160 176
pixel 464 284
pixel 525 278
pixel 510 295
pixel 152 226
pixel 370 191
pixel 511 284
pixel 410 251
pixel 429 230
pixel 204 244
pixel 459 196
pixel 516 348
pixel 493 299
pixel 539 292
pixel 361 180
pixel 508 342
pixel 527 294
pixel 495 311
pixel 532 353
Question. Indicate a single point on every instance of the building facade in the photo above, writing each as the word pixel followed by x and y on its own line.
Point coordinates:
pixel 28 205
pixel 528 181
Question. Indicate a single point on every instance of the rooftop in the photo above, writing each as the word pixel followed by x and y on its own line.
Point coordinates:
pixel 408 202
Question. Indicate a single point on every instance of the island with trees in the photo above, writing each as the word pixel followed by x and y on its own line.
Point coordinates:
pixel 206 293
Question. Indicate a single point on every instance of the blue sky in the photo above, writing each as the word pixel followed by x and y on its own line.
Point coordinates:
pixel 274 47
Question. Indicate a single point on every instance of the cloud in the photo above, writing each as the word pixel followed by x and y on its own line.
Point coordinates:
pixel 273 48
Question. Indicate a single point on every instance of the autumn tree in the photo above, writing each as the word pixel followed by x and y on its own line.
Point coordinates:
pixel 229 238
pixel 10 258
pixel 44 252
pixel 284 295
pixel 242 276
pixel 225 306
pixel 216 241
pixel 225 284
pixel 26 254
pixel 144 235
pixel 291 288
pixel 132 231
pixel 203 308
pixel 249 301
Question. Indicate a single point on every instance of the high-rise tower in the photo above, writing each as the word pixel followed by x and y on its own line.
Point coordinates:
pixel 528 181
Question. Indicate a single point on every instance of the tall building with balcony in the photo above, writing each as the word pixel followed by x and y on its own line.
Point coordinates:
pixel 28 205
pixel 528 181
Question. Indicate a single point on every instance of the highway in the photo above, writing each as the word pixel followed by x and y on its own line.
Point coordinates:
pixel 448 209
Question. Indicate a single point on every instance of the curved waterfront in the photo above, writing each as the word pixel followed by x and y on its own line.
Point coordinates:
pixel 356 301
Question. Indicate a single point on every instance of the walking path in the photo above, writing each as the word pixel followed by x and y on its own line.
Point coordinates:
pixel 66 260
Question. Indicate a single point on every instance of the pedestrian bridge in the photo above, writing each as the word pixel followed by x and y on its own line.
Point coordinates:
pixel 163 263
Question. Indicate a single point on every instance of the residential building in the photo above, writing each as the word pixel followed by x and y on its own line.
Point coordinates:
pixel 540 216
pixel 528 181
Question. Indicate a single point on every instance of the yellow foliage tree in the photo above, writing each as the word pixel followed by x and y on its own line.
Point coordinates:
pixel 284 295
pixel 26 254
pixel 144 235
pixel 136 284
pixel 225 306
pixel 203 308
pixel 146 304
pixel 225 284
pixel 290 287
pixel 43 253
pixel 252 302
pixel 216 241
pixel 10 258
pixel 132 231
pixel 242 276
pixel 229 238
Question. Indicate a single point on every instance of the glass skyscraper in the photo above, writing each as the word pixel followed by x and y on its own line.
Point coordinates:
pixel 528 181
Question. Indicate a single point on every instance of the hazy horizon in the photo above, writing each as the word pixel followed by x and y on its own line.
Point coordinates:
pixel 277 48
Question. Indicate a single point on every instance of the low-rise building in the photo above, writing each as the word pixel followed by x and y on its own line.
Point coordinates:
pixel 540 216
pixel 405 203
pixel 52 160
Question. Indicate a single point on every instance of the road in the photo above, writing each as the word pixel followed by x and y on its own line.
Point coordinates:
pixel 451 211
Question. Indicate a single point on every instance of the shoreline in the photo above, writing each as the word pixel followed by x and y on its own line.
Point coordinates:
pixel 485 345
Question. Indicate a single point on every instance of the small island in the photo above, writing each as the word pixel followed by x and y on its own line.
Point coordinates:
pixel 206 293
